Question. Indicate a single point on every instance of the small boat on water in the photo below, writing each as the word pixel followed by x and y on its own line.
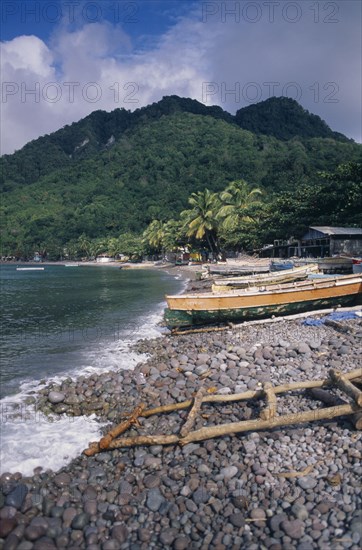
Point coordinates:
pixel 262 302
pixel 285 276
pixel 30 268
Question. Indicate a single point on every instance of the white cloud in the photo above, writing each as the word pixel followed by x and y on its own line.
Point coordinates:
pixel 96 67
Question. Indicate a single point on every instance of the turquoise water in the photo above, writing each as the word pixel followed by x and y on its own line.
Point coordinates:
pixel 67 320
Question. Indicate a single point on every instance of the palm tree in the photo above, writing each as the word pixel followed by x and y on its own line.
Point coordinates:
pixel 154 234
pixel 173 235
pixel 200 221
pixel 113 246
pixel 237 204
pixel 84 245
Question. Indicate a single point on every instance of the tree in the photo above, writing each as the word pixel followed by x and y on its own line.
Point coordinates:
pixel 154 235
pixel 238 204
pixel 84 245
pixel 173 236
pixel 200 221
pixel 131 245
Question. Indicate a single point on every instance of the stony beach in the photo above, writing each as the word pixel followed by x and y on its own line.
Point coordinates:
pixel 224 493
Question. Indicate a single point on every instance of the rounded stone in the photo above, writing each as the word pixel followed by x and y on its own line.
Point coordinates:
pixel 181 543
pixel 300 511
pixel 168 535
pixel 6 526
pixel 200 496
pixel 56 397
pixel 154 499
pixel 151 481
pixel 12 542
pixel 237 519
pixel 34 532
pixel 61 480
pixel 229 472
pixel 258 514
pixel 293 528
pixel 144 534
pixel 80 521
pixel 120 533
pixel 307 482
pixel 17 496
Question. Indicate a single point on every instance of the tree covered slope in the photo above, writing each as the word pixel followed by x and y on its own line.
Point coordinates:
pixel 116 172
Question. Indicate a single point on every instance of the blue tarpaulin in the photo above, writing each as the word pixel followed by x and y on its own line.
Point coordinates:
pixel 342 315
pixel 313 322
pixel 335 316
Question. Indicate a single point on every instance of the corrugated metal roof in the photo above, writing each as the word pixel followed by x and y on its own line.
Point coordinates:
pixel 337 230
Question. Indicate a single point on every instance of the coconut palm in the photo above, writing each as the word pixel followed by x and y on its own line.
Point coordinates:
pixel 238 202
pixel 200 221
pixel 154 234
pixel 84 245
pixel 113 246
pixel 172 235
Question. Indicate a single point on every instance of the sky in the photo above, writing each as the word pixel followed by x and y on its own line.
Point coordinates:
pixel 63 59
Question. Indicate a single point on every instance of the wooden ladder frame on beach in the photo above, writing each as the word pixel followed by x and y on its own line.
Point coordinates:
pixel 268 418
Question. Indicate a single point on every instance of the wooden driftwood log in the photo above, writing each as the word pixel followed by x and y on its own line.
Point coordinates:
pixel 122 427
pixel 329 399
pixel 252 394
pixel 235 427
pixel 105 442
pixel 187 427
pixel 271 400
pixel 255 425
pixel 346 386
pixel 268 418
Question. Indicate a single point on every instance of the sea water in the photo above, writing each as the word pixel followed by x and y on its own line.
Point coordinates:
pixel 60 322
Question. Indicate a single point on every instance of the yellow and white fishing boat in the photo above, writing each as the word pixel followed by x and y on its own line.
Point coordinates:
pixel 263 301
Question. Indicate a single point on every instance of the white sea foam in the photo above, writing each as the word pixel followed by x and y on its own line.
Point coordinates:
pixel 29 439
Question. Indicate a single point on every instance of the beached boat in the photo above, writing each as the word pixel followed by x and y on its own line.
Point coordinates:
pixel 335 264
pixel 30 269
pixel 357 265
pixel 262 302
pixel 230 270
pixel 277 277
pixel 281 265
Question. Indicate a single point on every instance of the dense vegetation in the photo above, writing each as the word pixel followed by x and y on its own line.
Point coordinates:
pixel 77 190
pixel 284 119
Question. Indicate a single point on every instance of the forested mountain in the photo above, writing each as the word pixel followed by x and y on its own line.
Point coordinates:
pixel 114 173
pixel 96 132
pixel 284 118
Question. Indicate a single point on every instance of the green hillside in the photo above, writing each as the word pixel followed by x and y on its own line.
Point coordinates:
pixel 137 167
pixel 284 118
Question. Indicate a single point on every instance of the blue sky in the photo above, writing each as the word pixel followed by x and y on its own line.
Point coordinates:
pixel 140 19
pixel 62 59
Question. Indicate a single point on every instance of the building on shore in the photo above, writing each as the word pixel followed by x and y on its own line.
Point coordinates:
pixel 318 242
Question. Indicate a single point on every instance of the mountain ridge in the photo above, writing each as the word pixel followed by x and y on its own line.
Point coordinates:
pixel 100 129
pixel 108 175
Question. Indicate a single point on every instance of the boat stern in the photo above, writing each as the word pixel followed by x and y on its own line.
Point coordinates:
pixel 177 318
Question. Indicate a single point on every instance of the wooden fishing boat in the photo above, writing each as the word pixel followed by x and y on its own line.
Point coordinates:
pixel 357 265
pixel 335 264
pixel 261 302
pixel 280 265
pixel 230 270
pixel 296 274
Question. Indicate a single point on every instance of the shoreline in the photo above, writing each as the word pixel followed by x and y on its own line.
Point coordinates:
pixel 220 493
